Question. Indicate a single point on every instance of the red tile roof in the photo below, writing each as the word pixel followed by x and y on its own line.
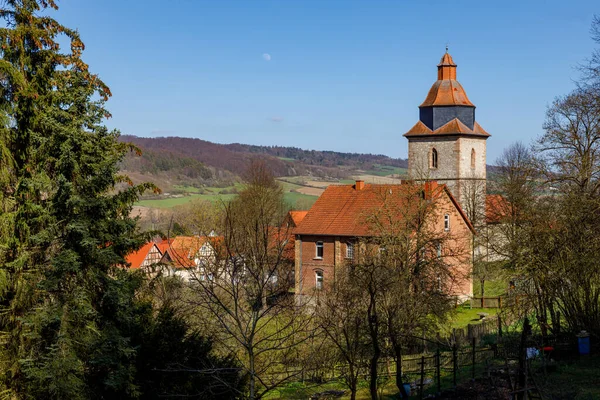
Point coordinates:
pixel 136 258
pixel 342 210
pixel 297 216
pixel 183 250
pixel 496 208
pixel 453 127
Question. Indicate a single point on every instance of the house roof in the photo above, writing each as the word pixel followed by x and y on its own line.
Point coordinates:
pixel 297 216
pixel 453 127
pixel 136 258
pixel 496 208
pixel 341 209
pixel 182 250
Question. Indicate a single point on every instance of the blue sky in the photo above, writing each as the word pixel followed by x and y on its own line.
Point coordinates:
pixel 342 75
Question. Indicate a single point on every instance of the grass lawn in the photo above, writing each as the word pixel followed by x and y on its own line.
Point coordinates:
pixel 465 316
pixel 493 288
pixel 299 390
pixel 577 380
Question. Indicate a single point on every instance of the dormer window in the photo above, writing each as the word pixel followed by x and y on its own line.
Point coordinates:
pixel 434 158
pixel 473 158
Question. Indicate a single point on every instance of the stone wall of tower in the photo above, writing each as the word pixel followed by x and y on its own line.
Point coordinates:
pixel 454 161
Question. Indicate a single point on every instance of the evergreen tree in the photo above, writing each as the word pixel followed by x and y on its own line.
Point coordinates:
pixel 67 309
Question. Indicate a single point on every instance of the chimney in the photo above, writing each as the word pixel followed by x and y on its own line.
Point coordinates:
pixel 360 184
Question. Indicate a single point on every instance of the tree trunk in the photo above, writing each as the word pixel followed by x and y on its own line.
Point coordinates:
pixel 352 380
pixel 252 379
pixel 399 383
pixel 482 280
pixel 374 333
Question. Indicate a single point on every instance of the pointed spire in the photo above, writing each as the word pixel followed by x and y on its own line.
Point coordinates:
pixel 446 67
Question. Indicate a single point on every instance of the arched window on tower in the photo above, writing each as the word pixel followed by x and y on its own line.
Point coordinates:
pixel 473 158
pixel 434 158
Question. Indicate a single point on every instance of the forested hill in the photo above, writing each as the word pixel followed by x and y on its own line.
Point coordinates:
pixel 196 158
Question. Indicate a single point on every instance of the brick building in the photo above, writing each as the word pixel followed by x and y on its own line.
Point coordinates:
pixel 446 149
pixel 330 233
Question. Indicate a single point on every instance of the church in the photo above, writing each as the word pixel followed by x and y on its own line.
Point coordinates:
pixel 446 156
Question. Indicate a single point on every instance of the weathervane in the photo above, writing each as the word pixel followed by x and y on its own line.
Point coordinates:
pixel 447 46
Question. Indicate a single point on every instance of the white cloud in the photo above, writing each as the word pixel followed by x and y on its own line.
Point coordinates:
pixel 266 57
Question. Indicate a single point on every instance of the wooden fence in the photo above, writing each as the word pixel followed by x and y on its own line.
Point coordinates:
pixel 486 302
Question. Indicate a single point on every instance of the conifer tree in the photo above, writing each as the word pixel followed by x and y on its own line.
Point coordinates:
pixel 67 309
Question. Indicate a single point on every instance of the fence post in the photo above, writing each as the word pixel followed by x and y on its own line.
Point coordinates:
pixel 454 363
pixel 482 302
pixel 500 302
pixel 499 326
pixel 473 369
pixel 422 377
pixel 438 369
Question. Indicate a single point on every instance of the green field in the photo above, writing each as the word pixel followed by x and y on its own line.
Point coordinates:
pixel 177 201
pixel 293 198
pixel 384 170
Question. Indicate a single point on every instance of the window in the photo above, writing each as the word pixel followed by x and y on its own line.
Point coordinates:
pixel 434 158
pixel 319 253
pixel 473 158
pixel 446 222
pixel 439 249
pixel 318 280
pixel 349 250
pixel 205 250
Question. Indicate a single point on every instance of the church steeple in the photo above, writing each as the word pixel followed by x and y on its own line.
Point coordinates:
pixel 447 144
pixel 446 102
pixel 446 67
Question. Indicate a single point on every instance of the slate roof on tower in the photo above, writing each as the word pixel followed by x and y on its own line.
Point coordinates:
pixel 447 109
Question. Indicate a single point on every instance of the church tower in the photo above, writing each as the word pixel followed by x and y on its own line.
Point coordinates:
pixel 447 144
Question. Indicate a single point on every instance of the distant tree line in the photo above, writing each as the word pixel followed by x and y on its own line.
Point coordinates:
pixel 235 158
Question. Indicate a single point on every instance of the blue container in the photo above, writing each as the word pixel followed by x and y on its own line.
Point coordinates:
pixel 583 340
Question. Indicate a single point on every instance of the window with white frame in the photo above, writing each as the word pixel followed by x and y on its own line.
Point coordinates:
pixel 319 250
pixel 318 280
pixel 446 222
pixel 349 250
pixel 439 249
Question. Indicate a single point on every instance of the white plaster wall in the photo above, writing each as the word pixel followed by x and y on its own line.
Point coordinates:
pixel 466 145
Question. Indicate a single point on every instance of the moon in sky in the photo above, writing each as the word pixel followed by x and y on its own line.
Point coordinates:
pixel 266 57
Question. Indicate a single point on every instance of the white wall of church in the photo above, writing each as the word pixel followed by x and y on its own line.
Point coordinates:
pixel 466 146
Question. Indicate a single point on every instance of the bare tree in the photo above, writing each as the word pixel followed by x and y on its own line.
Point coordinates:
pixel 405 271
pixel 340 316
pixel 245 286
